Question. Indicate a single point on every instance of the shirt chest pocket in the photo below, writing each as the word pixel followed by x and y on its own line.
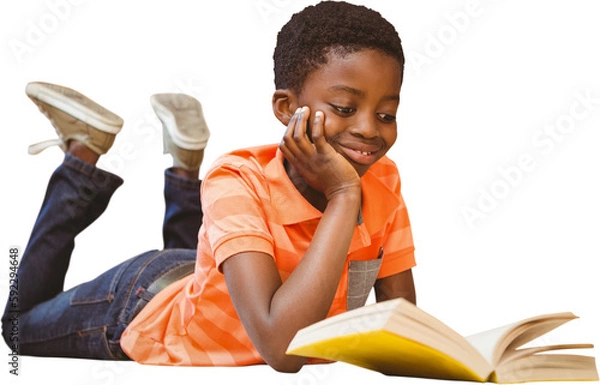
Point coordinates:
pixel 361 279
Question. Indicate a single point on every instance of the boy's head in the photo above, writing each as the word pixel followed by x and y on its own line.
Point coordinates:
pixel 345 61
pixel 303 44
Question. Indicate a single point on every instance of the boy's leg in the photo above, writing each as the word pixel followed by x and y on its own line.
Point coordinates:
pixel 88 320
pixel 77 192
pixel 185 135
pixel 183 211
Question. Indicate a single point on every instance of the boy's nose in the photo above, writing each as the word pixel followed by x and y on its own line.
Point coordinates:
pixel 365 126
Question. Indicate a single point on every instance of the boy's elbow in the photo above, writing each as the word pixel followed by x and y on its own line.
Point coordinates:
pixel 284 363
pixel 286 368
pixel 272 349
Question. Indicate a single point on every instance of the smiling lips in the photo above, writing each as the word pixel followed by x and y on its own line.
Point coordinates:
pixel 360 156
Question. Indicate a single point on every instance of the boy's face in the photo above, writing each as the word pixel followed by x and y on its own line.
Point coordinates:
pixel 359 95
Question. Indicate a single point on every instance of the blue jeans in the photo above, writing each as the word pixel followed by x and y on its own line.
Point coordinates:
pixel 87 320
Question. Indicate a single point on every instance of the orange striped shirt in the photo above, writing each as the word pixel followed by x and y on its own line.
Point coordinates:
pixel 250 204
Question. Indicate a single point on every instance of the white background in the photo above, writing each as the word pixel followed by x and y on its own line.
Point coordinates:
pixel 489 86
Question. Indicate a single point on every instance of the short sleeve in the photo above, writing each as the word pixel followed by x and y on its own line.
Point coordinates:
pixel 234 201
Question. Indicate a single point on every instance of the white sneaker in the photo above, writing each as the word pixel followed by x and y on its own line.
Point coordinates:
pixel 185 132
pixel 74 116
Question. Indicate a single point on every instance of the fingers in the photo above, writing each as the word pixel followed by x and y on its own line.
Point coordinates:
pixel 295 143
pixel 300 132
pixel 318 136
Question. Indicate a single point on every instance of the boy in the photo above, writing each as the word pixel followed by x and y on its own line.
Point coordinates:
pixel 292 233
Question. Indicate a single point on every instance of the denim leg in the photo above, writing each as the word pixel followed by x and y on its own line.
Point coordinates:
pixel 88 320
pixel 77 194
pixel 183 212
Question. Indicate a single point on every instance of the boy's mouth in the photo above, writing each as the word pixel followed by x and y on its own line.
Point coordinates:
pixel 360 156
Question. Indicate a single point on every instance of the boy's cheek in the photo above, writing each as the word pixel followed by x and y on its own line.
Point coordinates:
pixel 329 120
pixel 331 125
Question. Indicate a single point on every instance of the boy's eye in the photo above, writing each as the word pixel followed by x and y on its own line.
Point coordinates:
pixel 387 117
pixel 344 110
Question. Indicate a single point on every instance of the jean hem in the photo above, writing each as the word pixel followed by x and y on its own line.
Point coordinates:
pixel 181 182
pixel 99 176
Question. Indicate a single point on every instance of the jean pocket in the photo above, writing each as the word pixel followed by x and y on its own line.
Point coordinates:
pixel 145 294
pixel 361 279
pixel 101 289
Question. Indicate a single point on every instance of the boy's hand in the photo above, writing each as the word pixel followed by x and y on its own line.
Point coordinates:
pixel 323 168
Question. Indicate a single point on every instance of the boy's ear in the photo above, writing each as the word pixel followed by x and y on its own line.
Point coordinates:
pixel 284 105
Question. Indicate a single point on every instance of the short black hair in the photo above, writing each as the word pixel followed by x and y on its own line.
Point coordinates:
pixel 330 26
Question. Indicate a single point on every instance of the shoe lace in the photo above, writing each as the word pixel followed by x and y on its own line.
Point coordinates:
pixel 36 148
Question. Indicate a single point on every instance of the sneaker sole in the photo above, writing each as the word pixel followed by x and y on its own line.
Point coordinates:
pixel 75 104
pixel 171 121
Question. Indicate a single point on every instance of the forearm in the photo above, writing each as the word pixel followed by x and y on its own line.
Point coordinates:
pixel 307 294
pixel 399 285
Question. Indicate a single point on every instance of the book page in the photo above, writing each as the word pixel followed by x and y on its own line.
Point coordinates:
pixel 524 352
pixel 485 342
pixel 493 343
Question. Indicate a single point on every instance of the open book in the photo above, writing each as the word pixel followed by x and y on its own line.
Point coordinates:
pixel 397 338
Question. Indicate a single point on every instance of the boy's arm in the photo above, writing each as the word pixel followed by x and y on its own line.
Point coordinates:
pixel 400 285
pixel 273 311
